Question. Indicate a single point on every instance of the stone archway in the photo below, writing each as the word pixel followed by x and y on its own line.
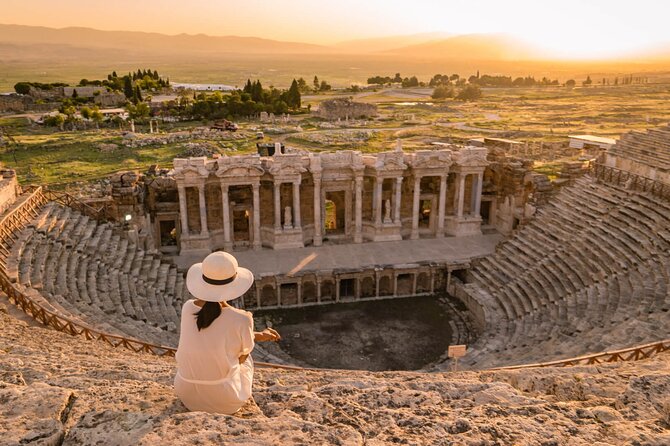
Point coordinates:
pixel 327 291
pixel 385 288
pixel 368 287
pixel 308 291
pixel 268 296
pixel 289 294
pixel 404 284
pixel 423 283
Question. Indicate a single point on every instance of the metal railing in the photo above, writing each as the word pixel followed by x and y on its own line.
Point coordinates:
pixel 627 354
pixel 631 181
pixel 100 213
pixel 13 222
pixel 16 219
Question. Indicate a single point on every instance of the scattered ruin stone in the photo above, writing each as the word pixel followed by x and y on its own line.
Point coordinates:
pixel 195 149
pixel 107 148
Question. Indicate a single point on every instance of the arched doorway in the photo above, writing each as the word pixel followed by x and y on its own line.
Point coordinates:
pixel 308 291
pixel 368 287
pixel 385 286
pixel 268 296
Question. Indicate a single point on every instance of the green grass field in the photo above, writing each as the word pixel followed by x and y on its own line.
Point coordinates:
pixel 47 155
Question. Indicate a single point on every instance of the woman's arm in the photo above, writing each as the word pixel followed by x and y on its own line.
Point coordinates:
pixel 268 334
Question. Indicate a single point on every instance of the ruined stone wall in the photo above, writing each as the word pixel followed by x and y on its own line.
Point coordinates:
pixel 515 189
pixel 637 167
pixel 334 109
pixel 47 95
pixel 128 195
pixel 110 99
pixel 83 92
pixel 14 103
pixel 9 189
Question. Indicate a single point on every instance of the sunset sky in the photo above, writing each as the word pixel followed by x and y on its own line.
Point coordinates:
pixel 567 28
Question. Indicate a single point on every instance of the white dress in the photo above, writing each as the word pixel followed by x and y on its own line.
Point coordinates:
pixel 209 375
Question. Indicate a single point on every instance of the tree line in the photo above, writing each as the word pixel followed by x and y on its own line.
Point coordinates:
pixel 251 100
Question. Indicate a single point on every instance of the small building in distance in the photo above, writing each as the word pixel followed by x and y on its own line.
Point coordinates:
pixel 345 108
pixel 591 142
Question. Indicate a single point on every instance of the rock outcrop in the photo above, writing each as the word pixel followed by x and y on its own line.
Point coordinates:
pixel 60 390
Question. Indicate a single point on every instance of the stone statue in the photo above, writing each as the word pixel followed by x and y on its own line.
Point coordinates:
pixel 387 211
pixel 288 218
pixel 398 145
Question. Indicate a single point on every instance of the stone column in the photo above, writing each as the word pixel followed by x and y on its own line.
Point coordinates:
pixel 358 217
pixel 318 223
pixel 378 201
pixel 477 191
pixel 277 198
pixel 226 214
pixel 203 210
pixel 296 205
pixel 415 208
pixel 257 215
pixel 441 206
pixel 183 210
pixel 396 206
pixel 278 293
pixel 337 289
pixel 460 196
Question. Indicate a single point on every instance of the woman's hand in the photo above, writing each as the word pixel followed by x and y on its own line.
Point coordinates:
pixel 269 334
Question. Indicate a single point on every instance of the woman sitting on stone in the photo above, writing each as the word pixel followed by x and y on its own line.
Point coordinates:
pixel 214 366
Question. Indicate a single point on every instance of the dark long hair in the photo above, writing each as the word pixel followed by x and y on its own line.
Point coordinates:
pixel 207 314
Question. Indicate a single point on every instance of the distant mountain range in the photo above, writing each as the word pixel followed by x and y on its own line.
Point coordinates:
pixel 19 42
pixel 148 42
pixel 381 44
pixel 474 47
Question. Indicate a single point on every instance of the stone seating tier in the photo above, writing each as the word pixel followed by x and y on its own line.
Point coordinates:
pixel 594 263
pixel 651 147
pixel 93 273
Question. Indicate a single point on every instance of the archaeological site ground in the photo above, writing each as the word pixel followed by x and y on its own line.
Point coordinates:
pixel 475 258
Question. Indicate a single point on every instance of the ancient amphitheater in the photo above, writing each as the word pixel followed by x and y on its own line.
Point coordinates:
pixel 576 274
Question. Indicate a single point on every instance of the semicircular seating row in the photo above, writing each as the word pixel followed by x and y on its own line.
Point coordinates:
pixel 651 147
pixel 93 273
pixel 590 273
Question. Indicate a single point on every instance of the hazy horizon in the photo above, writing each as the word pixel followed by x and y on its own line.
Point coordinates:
pixel 570 29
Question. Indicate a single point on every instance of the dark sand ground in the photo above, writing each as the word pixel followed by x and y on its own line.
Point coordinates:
pixel 393 334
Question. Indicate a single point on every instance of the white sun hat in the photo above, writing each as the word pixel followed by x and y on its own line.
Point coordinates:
pixel 218 278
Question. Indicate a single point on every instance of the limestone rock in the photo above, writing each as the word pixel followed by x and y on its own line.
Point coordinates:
pixel 123 398
pixel 33 414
